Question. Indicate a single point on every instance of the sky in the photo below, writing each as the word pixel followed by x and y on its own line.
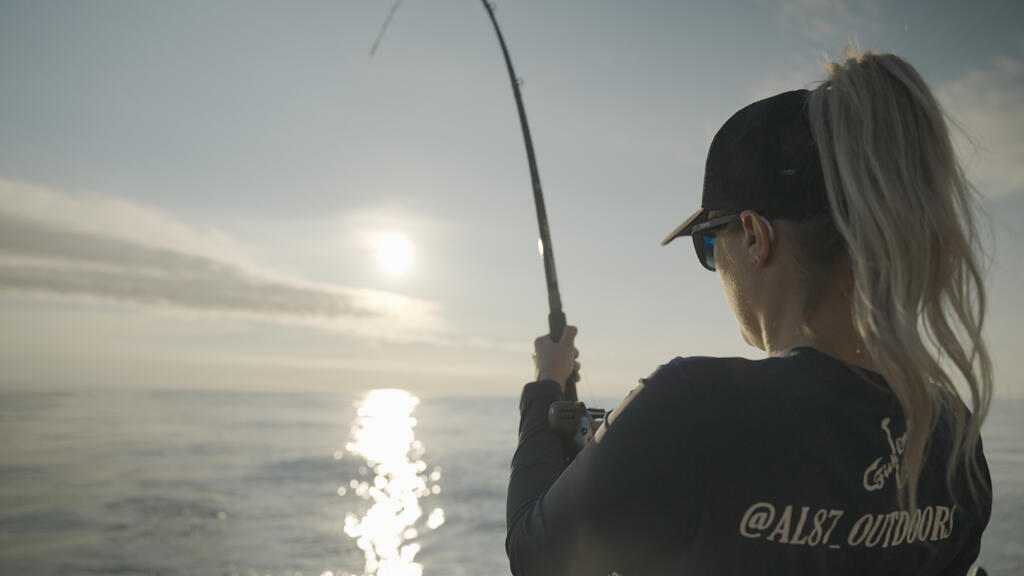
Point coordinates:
pixel 211 194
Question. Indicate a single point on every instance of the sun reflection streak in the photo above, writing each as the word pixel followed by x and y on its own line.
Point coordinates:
pixel 383 436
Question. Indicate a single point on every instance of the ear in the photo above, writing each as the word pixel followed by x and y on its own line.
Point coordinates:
pixel 759 236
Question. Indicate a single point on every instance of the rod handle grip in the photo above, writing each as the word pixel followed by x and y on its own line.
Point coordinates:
pixel 556 328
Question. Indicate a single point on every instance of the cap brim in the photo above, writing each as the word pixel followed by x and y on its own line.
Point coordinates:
pixel 684 228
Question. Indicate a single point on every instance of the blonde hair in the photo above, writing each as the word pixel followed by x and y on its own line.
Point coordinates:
pixel 905 211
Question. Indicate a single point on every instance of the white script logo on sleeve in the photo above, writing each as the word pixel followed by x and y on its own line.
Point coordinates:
pixel 880 470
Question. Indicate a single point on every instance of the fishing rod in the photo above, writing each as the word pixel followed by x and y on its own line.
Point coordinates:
pixel 569 418
pixel 556 318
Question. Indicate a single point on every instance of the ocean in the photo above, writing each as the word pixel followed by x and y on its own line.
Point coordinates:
pixel 230 482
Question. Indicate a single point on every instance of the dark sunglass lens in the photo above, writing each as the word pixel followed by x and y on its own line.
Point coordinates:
pixel 698 247
pixel 709 251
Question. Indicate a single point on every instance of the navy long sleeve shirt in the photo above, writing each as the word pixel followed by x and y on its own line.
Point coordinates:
pixel 788 465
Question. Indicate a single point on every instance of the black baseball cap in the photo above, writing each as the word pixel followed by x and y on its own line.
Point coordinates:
pixel 763 159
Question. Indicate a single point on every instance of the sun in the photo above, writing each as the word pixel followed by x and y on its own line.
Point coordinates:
pixel 394 253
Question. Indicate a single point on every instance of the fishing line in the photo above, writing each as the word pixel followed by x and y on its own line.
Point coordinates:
pixel 387 22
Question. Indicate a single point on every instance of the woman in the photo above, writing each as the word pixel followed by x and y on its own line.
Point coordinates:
pixel 841 228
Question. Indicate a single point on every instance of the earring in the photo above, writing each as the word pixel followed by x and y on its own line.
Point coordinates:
pixel 755 260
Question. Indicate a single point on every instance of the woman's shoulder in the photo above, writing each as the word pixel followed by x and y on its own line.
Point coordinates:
pixel 704 385
pixel 710 371
pixel 802 376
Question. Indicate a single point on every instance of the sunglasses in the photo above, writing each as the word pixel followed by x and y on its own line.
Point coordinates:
pixel 704 238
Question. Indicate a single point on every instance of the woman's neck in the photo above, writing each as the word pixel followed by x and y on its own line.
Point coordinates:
pixel 829 328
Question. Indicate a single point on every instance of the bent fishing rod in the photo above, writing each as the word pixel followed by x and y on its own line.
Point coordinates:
pixel 556 318
pixel 570 418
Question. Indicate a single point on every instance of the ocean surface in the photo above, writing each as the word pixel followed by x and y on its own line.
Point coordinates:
pixel 134 482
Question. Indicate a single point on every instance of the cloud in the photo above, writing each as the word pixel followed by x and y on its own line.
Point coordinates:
pixel 826 21
pixel 97 247
pixel 825 25
pixel 92 213
pixel 988 103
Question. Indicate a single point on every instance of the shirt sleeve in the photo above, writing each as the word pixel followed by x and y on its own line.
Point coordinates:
pixel 976 517
pixel 628 494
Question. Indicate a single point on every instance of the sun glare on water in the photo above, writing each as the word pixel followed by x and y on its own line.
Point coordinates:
pixel 394 253
pixel 384 438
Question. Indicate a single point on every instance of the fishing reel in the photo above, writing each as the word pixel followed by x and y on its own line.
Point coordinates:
pixel 575 424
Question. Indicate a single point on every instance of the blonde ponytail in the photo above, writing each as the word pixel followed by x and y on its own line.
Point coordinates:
pixel 905 210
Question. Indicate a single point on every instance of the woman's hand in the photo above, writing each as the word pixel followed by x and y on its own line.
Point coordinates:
pixel 557 360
